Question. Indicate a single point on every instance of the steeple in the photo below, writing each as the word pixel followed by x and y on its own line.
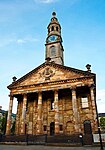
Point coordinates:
pixel 54 48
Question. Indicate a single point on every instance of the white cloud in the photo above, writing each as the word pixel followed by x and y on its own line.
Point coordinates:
pixel 25 40
pixel 20 41
pixel 45 1
pixel 13 40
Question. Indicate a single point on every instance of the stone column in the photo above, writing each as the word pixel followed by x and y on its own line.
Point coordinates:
pixel 34 116
pixel 93 102
pixel 75 110
pixel 39 121
pixel 17 119
pixel 56 107
pixel 24 114
pixel 9 117
pixel 48 115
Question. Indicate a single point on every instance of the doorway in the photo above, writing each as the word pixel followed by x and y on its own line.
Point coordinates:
pixel 52 128
pixel 87 138
pixel 87 127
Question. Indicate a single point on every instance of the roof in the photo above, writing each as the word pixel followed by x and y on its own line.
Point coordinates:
pixel 101 114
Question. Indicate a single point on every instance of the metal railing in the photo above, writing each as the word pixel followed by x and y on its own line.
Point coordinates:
pixel 45 139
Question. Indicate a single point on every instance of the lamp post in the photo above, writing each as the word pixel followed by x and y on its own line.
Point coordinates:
pixel 99 131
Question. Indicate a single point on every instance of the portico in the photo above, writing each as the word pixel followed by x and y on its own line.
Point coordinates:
pixel 38 109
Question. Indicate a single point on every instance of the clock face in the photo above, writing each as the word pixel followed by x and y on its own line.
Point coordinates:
pixel 52 38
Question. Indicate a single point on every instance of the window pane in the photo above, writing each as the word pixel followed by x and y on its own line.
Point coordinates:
pixel 53 51
pixel 84 102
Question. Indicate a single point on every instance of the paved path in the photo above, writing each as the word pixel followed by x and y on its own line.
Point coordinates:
pixel 37 147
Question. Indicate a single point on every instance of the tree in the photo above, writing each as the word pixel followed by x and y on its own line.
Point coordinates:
pixel 3 122
pixel 102 123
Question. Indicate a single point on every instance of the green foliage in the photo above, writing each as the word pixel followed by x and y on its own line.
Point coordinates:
pixel 3 122
pixel 102 123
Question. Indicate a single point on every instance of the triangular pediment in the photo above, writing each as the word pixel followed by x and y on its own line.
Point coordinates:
pixel 49 72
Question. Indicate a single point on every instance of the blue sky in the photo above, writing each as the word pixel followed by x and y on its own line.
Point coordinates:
pixel 23 31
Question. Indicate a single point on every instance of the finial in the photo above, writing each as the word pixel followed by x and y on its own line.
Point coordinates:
pixel 88 67
pixel 54 14
pixel 14 79
pixel 48 59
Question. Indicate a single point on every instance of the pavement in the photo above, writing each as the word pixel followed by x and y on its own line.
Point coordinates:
pixel 39 147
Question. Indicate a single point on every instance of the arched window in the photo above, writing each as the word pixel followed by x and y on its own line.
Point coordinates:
pixel 52 28
pixel 53 51
pixel 57 28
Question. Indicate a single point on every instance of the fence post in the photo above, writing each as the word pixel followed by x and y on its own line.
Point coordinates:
pixel 27 139
pixel 45 138
pixel 0 137
pixel 81 139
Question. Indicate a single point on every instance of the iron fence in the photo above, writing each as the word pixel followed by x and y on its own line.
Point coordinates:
pixel 45 139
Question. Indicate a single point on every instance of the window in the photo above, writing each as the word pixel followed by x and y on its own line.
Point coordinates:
pixel 57 28
pixel 84 101
pixel 52 28
pixel 53 51
pixel 45 128
pixel 52 104
pixel 48 30
pixel 61 127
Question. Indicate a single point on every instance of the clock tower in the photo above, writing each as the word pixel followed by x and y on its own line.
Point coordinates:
pixel 54 48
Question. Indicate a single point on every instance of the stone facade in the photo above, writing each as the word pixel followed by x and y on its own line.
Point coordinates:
pixel 54 99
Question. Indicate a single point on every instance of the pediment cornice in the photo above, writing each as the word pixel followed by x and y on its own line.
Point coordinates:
pixel 50 73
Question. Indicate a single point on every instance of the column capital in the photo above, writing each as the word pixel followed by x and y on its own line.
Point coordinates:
pixel 11 96
pixel 92 86
pixel 39 92
pixel 24 94
pixel 73 88
pixel 55 91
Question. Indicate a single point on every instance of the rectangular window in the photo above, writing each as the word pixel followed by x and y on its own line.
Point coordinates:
pixel 45 128
pixel 52 104
pixel 61 127
pixel 84 101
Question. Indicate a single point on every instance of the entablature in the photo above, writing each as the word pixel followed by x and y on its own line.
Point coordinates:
pixel 62 84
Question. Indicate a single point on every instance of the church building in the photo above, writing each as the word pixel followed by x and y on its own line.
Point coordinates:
pixel 53 98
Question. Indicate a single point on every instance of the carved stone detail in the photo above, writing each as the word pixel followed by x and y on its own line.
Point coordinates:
pixel 47 73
